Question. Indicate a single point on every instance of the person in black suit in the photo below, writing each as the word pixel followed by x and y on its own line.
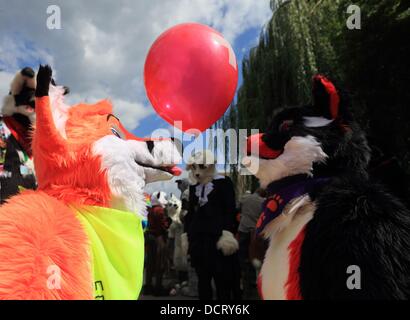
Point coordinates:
pixel 210 227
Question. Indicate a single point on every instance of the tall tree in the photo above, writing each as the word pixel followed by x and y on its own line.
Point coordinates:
pixel 305 37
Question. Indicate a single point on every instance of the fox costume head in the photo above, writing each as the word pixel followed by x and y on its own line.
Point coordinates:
pixel 83 154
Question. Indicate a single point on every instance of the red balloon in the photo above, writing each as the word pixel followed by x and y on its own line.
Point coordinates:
pixel 191 76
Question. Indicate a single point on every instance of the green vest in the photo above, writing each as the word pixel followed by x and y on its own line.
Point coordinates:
pixel 117 245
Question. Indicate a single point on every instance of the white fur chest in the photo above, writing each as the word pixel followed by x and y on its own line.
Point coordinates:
pixel 281 232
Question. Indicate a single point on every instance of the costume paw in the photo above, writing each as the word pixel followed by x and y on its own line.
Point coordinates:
pixel 43 80
pixel 227 243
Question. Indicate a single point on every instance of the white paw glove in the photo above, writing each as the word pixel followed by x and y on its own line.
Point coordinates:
pixel 184 244
pixel 227 243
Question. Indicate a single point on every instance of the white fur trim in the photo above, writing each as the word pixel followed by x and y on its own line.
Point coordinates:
pixel 59 108
pixel 227 243
pixel 283 221
pixel 315 122
pixel 297 158
pixel 281 232
pixel 126 178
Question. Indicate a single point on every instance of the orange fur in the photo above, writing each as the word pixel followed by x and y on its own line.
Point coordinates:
pixel 88 123
pixel 36 232
pixel 68 169
pixel 38 229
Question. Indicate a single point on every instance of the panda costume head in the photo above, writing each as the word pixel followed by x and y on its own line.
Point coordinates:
pixel 19 103
pixel 159 198
pixel 17 115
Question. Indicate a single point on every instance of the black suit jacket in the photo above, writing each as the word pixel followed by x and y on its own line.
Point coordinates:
pixel 216 215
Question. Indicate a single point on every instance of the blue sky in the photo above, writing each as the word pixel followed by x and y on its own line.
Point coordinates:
pixel 100 50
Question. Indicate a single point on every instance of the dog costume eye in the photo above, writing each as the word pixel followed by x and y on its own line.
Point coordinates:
pixel 116 133
pixel 285 125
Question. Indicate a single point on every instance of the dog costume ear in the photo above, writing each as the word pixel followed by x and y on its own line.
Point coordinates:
pixel 25 78
pixel 21 92
pixel 326 98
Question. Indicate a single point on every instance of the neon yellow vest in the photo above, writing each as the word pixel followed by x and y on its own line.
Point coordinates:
pixel 117 245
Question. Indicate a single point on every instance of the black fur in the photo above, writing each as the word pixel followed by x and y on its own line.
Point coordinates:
pixel 22 119
pixel 9 185
pixel 28 72
pixel 356 222
pixel 343 141
pixel 44 77
pixel 25 97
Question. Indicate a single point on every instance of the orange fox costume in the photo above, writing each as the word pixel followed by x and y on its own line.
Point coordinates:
pixel 91 172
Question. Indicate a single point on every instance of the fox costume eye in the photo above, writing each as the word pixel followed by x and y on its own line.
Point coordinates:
pixel 115 125
pixel 285 125
pixel 116 133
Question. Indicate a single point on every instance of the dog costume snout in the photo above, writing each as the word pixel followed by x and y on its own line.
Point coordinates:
pixel 257 147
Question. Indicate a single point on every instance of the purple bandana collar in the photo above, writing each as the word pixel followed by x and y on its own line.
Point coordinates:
pixel 281 192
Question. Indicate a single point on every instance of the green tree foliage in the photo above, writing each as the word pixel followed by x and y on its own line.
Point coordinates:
pixel 306 37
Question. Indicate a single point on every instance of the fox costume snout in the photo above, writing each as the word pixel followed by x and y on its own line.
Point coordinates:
pixel 79 236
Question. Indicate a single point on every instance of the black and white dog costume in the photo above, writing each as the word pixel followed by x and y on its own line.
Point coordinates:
pixel 210 224
pixel 326 221
pixel 17 114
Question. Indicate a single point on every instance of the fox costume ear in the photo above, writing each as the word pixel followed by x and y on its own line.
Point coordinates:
pixel 326 98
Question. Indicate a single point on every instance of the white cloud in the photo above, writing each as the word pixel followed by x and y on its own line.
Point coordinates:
pixel 5 79
pixel 131 112
pixel 100 51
